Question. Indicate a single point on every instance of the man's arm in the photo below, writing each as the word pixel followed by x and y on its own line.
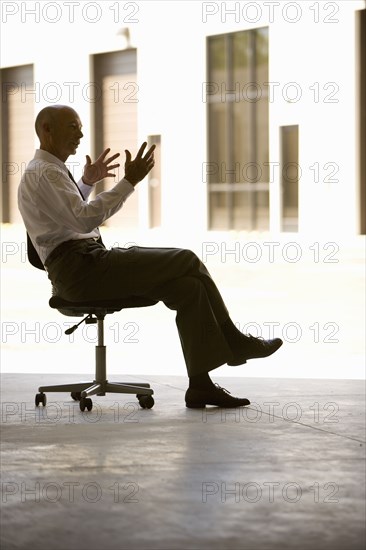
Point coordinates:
pixel 56 198
pixel 135 170
pixel 59 199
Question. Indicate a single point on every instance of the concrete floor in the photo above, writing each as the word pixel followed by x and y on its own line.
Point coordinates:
pixel 286 472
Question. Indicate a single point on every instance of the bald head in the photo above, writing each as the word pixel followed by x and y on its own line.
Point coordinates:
pixel 58 128
pixel 50 116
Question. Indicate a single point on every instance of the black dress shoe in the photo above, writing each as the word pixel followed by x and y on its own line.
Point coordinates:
pixel 253 348
pixel 198 399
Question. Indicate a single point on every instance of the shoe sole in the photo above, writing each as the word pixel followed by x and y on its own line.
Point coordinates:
pixel 203 405
pixel 239 362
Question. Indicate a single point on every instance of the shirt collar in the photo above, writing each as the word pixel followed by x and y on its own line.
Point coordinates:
pixel 40 154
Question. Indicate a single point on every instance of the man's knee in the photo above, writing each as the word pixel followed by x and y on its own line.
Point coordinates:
pixel 190 256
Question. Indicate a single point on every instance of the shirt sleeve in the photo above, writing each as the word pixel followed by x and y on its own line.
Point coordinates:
pixel 57 197
pixel 85 189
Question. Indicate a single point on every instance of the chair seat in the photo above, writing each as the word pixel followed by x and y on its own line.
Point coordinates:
pixel 97 306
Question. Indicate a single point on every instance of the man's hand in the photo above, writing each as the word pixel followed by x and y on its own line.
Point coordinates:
pixel 137 169
pixel 96 171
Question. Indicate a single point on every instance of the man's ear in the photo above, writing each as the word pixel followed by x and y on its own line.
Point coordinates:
pixel 46 127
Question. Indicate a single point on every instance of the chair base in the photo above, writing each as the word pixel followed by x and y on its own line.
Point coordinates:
pixel 81 391
pixel 100 388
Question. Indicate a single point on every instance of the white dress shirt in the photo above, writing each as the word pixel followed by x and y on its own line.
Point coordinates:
pixel 52 208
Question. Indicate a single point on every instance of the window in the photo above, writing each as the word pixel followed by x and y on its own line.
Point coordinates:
pixel 17 114
pixel 361 106
pixel 238 144
pixel 154 179
pixel 289 171
pixel 115 120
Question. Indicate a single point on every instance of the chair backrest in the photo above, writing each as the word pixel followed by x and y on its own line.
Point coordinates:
pixel 32 254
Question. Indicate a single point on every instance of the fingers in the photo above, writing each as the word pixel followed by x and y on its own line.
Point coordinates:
pixel 150 152
pixel 112 158
pixel 150 162
pixel 128 154
pixel 113 167
pixel 104 154
pixel 141 150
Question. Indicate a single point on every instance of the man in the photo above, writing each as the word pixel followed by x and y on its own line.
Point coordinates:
pixel 63 227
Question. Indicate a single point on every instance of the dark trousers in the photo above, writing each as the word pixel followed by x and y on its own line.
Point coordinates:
pixel 85 269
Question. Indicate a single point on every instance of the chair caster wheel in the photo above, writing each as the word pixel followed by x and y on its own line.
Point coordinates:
pixel 146 401
pixel 76 395
pixel 41 398
pixel 86 403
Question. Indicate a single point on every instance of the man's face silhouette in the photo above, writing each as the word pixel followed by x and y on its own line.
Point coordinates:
pixel 63 133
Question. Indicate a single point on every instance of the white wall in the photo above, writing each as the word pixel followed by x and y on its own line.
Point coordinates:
pixel 171 38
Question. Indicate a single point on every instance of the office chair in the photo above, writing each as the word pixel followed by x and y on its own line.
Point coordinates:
pixel 95 312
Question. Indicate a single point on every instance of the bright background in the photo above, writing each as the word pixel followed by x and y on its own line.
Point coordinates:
pixel 311 292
